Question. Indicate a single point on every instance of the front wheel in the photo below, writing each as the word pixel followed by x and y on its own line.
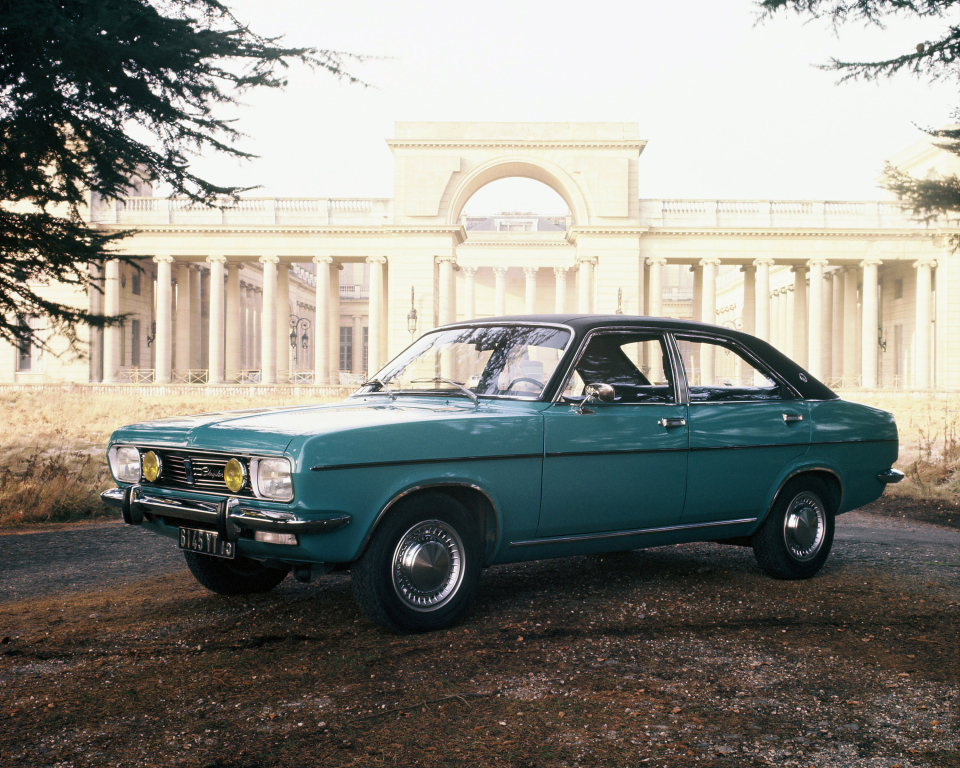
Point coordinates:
pixel 240 576
pixel 420 570
pixel 795 539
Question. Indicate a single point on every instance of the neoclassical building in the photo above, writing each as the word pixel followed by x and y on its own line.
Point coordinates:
pixel 320 290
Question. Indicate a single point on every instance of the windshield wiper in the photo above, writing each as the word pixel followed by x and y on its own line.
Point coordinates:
pixel 468 392
pixel 383 387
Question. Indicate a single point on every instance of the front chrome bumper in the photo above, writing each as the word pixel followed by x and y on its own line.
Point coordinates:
pixel 225 515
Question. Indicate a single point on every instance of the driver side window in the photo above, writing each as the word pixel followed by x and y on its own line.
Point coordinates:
pixel 636 365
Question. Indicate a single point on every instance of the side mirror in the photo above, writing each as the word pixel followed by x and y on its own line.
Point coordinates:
pixel 594 392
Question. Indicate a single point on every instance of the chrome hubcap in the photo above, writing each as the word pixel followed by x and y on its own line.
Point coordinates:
pixel 428 565
pixel 804 526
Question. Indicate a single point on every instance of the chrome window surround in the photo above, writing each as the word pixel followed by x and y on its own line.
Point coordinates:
pixel 471 324
pixel 665 338
pixel 251 458
pixel 756 362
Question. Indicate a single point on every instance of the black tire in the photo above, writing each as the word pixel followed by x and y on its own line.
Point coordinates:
pixel 420 570
pixel 795 539
pixel 240 576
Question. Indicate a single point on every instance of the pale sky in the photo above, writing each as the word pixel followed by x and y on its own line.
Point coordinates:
pixel 730 109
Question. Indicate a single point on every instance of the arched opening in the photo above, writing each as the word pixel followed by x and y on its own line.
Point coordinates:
pixel 515 169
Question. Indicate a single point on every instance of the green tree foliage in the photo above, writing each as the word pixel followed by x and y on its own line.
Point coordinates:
pixel 937 59
pixel 96 94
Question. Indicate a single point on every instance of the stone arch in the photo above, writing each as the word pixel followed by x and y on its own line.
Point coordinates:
pixel 525 167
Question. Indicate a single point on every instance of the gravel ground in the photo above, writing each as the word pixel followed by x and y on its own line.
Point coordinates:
pixel 676 656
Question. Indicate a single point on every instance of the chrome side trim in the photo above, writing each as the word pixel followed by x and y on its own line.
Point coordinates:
pixel 623 534
pixel 413 489
pixel 890 476
pixel 209 512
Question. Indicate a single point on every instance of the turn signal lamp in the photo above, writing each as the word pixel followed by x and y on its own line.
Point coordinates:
pixel 234 475
pixel 150 466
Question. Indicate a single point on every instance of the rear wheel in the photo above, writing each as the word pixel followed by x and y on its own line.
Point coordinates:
pixel 421 568
pixel 239 576
pixel 795 539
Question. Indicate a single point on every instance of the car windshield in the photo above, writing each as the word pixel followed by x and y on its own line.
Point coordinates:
pixel 514 361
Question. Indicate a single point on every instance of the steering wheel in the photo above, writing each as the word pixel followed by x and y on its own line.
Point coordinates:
pixel 522 380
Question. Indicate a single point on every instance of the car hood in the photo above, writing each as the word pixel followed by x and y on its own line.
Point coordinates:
pixel 371 429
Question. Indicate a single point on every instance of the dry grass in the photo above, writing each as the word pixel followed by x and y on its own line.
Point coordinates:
pixel 52 465
pixel 929 442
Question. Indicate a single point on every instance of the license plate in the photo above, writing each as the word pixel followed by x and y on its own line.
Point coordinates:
pixel 206 543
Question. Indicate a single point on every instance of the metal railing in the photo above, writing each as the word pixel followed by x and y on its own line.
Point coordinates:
pixel 191 376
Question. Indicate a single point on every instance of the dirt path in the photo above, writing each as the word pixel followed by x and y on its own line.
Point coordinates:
pixel 678 656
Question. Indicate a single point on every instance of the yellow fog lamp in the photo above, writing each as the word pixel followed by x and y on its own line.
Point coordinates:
pixel 234 475
pixel 151 466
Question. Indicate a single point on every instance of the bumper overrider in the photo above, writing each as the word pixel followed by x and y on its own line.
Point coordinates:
pixel 226 515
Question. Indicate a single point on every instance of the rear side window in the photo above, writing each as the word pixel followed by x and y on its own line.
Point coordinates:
pixel 717 372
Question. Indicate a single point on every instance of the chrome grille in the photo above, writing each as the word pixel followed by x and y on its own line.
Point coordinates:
pixel 197 471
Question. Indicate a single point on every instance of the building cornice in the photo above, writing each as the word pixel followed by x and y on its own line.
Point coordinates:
pixel 786 232
pixel 636 145
pixel 296 230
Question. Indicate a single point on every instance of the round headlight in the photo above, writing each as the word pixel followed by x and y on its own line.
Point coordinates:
pixel 234 475
pixel 151 466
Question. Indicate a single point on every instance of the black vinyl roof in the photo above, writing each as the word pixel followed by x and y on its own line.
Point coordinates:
pixel 811 389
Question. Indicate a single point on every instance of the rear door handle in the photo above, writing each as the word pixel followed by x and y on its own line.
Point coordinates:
pixel 790 418
pixel 672 423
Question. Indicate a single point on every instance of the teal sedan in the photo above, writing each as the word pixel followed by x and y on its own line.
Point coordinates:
pixel 511 439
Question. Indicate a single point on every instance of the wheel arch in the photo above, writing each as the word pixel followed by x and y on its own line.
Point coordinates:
pixel 477 501
pixel 829 477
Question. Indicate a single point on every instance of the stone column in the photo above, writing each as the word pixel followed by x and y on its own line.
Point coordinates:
pixel 814 352
pixel 826 309
pixel 184 316
pixel 656 286
pixel 922 378
pixel 697 307
pixel 96 334
pixel 786 321
pixel 585 286
pixel 849 326
pixel 283 322
pixel 836 342
pixel 356 353
pixel 375 348
pixel 530 290
pixel 215 373
pixel 749 312
pixel 448 299
pixel 111 334
pixel 656 310
pixel 560 299
pixel 800 316
pixel 335 323
pixel 762 325
pixel 871 322
pixel 163 341
pixel 243 326
pixel 233 326
pixel 321 330
pixel 708 313
pixel 791 303
pixel 775 306
pixel 469 293
pixel 500 292
pixel 205 319
pixel 258 327
pixel 196 316
pixel 268 321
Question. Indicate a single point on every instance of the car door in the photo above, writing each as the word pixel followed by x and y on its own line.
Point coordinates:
pixel 745 425
pixel 621 465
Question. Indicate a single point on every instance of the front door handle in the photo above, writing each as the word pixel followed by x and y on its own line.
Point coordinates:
pixel 672 423
pixel 790 418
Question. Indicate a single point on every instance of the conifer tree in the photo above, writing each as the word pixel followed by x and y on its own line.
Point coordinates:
pixel 937 59
pixel 96 95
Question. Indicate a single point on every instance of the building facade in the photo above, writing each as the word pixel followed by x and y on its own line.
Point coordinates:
pixel 321 290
